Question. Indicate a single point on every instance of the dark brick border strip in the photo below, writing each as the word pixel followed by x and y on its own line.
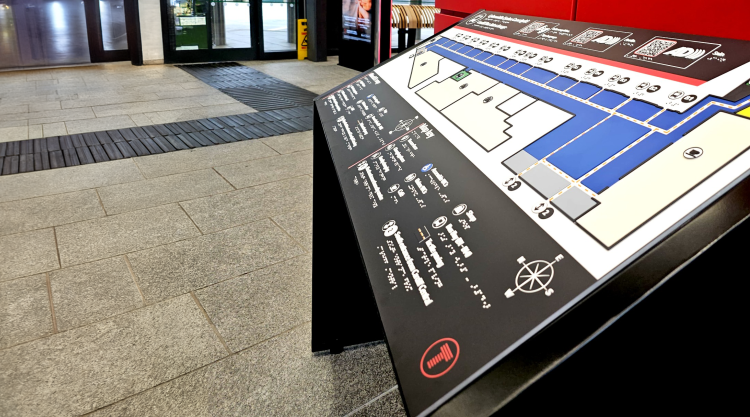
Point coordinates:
pixel 88 148
pixel 251 87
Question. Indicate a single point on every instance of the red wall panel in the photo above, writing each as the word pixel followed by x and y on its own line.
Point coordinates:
pixel 722 18
pixel 559 9
pixel 442 21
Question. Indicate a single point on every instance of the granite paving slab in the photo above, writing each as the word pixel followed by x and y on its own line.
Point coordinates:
pixel 162 190
pixel 234 208
pixel 81 370
pixel 254 307
pixel 55 210
pixel 27 253
pixel 24 310
pixel 194 159
pixel 279 377
pixel 177 268
pixel 90 292
pixel 128 232
pixel 247 174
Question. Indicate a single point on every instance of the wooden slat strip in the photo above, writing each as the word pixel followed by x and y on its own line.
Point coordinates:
pixel 103 137
pixel 11 165
pixel 40 145
pixel 140 133
pixel 163 144
pixel 151 146
pixel 84 155
pixel 77 141
pixel 56 159
pixel 174 129
pixel 116 135
pixel 197 127
pixel 3 146
pixel 152 132
pixel 90 139
pixel 100 155
pixel 138 147
pixel 213 137
pixel 127 134
pixel 14 148
pixel 163 131
pixel 27 147
pixel 53 144
pixel 112 152
pixel 126 150
pixel 224 136
pixel 71 158
pixel 26 162
pixel 176 142
pixel 66 142
pixel 186 127
pixel 41 161
pixel 200 139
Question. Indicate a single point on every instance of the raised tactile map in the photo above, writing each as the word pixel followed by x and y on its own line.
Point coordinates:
pixel 500 171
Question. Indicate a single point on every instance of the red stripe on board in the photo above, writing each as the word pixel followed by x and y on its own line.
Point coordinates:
pixel 655 73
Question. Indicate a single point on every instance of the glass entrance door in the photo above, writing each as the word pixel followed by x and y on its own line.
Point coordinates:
pixel 108 33
pixel 228 30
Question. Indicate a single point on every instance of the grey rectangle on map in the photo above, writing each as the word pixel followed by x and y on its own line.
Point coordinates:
pixel 574 203
pixel 520 161
pixel 544 180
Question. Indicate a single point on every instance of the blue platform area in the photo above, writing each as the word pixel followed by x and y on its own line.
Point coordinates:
pixel 464 49
pixel 507 64
pixel 668 119
pixel 539 75
pixel 483 56
pixel 639 110
pixel 456 46
pixel 585 115
pixel 441 41
pixel 496 60
pixel 608 99
pixel 562 83
pixel 613 171
pixel 474 52
pixel 519 68
pixel 583 90
pixel 448 44
pixel 596 146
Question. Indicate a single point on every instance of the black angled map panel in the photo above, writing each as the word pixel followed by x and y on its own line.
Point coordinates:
pixel 495 176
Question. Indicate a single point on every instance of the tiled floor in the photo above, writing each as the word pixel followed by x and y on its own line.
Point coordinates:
pixel 172 284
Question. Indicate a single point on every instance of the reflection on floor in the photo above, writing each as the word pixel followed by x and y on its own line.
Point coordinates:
pixel 171 284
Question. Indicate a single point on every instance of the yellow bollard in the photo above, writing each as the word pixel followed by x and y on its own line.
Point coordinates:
pixel 301 38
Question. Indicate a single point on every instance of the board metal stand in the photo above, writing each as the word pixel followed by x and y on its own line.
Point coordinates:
pixel 344 313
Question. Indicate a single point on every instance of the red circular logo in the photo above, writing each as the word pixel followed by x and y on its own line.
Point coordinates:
pixel 439 358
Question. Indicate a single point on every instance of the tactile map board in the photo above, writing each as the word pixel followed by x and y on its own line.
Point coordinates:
pixel 500 171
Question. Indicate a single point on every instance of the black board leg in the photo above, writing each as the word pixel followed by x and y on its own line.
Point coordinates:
pixel 343 307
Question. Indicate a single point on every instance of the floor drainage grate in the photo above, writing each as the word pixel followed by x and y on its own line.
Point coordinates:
pixel 88 148
pixel 251 87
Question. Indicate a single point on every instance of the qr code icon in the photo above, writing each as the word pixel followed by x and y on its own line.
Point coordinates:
pixel 532 27
pixel 655 47
pixel 586 36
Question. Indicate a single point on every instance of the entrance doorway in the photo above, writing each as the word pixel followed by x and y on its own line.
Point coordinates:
pixel 229 30
pixel 41 33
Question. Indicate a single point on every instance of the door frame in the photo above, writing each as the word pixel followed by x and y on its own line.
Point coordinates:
pixel 255 52
pixel 94 31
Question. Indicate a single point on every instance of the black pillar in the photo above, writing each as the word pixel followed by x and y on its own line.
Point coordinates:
pixel 316 30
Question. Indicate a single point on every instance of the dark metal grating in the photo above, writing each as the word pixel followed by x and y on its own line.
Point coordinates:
pixel 88 148
pixel 251 87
